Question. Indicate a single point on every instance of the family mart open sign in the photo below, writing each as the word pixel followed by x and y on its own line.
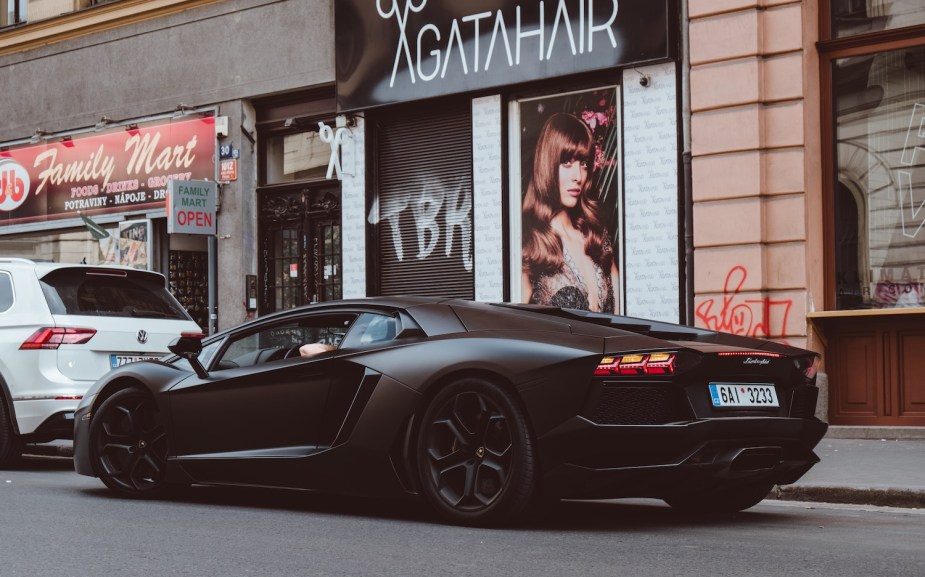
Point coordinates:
pixel 191 206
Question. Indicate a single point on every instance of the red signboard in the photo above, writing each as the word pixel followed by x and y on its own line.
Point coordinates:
pixel 228 169
pixel 122 170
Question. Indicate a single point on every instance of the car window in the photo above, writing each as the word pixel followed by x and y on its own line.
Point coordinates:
pixel 282 340
pixel 122 294
pixel 371 329
pixel 6 291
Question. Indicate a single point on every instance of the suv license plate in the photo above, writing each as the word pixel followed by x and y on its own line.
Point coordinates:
pixel 743 395
pixel 119 360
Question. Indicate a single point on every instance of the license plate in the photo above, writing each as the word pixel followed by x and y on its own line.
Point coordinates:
pixel 743 395
pixel 119 360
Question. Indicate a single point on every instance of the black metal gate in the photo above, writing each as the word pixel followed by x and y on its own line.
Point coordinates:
pixel 424 202
pixel 300 247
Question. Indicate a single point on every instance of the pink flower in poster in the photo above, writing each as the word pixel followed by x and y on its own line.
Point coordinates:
pixel 599 121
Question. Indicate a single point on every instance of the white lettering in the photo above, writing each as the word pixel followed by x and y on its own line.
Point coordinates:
pixel 475 18
pixel 96 167
pixel 454 33
pixel 521 34
pixel 454 198
pixel 145 157
pixel 562 12
pixel 432 45
pixel 435 53
pixel 606 26
pixel 499 25
pixel 402 19
pixel 911 212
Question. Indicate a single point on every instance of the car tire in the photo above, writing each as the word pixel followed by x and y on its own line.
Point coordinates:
pixel 10 443
pixel 128 444
pixel 475 455
pixel 721 502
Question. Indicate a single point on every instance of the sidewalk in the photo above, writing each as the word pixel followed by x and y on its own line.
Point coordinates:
pixel 887 471
pixel 884 472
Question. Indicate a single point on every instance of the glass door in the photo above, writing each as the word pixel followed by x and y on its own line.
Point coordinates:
pixel 300 254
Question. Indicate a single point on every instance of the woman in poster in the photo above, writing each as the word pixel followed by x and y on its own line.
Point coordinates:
pixel 568 259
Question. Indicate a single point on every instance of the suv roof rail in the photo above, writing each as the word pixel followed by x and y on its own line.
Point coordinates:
pixel 11 259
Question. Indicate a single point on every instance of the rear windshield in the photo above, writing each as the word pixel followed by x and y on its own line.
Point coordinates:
pixel 110 293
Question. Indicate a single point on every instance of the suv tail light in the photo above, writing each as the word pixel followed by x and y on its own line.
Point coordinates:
pixel 53 337
pixel 637 365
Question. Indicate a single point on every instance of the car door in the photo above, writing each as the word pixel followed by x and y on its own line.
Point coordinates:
pixel 258 413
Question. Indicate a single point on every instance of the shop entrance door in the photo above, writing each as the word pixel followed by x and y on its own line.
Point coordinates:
pixel 300 247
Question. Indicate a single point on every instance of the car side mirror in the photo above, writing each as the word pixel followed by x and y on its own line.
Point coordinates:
pixel 188 346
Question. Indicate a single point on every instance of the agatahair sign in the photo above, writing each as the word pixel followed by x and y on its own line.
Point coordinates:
pixel 390 51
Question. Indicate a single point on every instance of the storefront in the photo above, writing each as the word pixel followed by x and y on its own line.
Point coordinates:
pixel 85 78
pixel 873 70
pixel 99 196
pixel 298 203
pixel 458 107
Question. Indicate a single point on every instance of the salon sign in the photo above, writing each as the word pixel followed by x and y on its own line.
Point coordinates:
pixel 390 51
pixel 121 170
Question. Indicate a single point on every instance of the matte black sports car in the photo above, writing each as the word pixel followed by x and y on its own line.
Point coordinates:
pixel 484 410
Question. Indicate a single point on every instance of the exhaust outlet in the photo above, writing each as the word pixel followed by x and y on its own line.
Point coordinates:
pixel 756 459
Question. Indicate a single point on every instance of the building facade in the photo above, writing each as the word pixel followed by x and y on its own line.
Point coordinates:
pixel 805 122
pixel 754 164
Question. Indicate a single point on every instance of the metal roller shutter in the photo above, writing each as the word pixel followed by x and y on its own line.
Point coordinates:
pixel 424 170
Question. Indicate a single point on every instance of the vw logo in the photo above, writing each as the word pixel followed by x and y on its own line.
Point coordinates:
pixel 142 336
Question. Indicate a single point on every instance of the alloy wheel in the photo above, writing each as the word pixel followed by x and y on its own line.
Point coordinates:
pixel 130 444
pixel 475 454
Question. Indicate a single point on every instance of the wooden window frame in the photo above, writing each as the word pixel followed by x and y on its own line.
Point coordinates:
pixel 831 49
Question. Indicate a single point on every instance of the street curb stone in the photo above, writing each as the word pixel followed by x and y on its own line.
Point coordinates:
pixel 909 499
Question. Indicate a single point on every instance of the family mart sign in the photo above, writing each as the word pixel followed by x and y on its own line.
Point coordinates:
pixel 191 206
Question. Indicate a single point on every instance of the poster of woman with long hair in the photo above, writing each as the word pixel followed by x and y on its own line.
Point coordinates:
pixel 569 152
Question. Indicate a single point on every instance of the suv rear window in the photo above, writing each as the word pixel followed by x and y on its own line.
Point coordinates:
pixel 111 293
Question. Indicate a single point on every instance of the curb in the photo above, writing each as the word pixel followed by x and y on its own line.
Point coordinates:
pixel 906 498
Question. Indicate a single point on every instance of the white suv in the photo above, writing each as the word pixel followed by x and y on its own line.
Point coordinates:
pixel 62 326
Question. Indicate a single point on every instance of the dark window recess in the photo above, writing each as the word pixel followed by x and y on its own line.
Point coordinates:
pixel 188 277
pixel 300 247
pixel 424 172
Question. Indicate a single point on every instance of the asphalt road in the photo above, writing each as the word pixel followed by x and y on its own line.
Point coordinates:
pixel 54 522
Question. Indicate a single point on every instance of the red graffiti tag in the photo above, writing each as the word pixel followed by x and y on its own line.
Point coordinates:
pixel 749 317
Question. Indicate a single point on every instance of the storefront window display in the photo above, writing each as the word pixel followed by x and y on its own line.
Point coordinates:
pixel 567 151
pixel 880 188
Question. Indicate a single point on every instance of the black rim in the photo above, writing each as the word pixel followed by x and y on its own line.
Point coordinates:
pixel 132 444
pixel 469 452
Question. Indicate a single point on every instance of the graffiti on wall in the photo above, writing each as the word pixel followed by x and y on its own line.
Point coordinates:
pixel 451 200
pixel 733 313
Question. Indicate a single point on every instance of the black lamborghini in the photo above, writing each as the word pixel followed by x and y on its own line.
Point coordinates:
pixel 484 410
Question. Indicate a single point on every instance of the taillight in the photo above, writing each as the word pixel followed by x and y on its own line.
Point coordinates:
pixel 53 337
pixel 637 365
pixel 809 366
pixel 748 354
